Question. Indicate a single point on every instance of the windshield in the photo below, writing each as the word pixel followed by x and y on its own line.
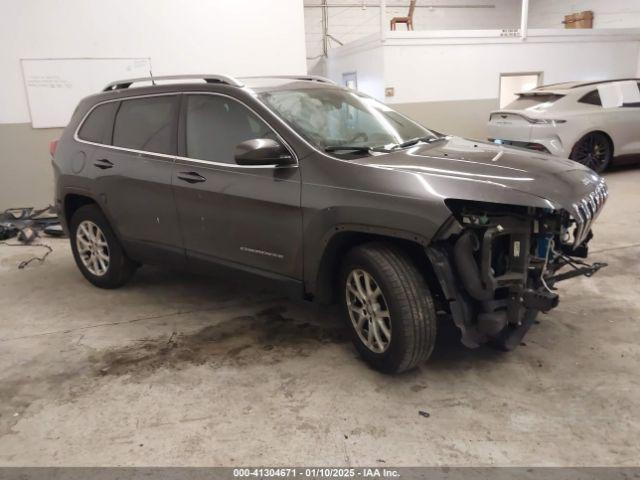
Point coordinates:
pixel 331 117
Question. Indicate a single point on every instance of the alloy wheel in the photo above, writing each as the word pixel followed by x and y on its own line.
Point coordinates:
pixel 593 151
pixel 93 248
pixel 368 311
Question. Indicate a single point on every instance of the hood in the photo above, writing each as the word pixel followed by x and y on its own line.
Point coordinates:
pixel 464 169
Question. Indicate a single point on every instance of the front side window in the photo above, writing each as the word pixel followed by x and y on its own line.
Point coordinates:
pixel 97 126
pixel 145 124
pixel 634 103
pixel 328 117
pixel 215 125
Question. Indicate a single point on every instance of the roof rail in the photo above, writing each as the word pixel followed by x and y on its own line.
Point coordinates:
pixel 312 78
pixel 120 84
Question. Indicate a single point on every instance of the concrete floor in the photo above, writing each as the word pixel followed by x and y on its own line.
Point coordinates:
pixel 182 370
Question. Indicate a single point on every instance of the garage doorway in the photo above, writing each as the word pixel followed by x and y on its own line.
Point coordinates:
pixel 512 83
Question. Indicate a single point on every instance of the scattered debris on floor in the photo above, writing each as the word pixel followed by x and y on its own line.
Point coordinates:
pixel 26 225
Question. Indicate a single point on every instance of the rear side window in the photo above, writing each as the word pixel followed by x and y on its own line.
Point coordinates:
pixel 216 124
pixel 632 104
pixel 97 126
pixel 592 98
pixel 145 124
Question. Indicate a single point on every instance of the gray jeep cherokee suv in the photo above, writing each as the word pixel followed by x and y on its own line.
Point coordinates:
pixel 331 192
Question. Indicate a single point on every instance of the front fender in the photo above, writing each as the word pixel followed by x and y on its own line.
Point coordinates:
pixel 330 231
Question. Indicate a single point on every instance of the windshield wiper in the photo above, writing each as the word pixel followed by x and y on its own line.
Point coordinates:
pixel 354 148
pixel 366 149
pixel 413 141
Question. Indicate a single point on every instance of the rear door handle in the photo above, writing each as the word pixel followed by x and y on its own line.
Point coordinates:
pixel 103 164
pixel 191 177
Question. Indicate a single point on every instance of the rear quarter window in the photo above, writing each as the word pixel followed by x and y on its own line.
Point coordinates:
pixel 97 126
pixel 591 98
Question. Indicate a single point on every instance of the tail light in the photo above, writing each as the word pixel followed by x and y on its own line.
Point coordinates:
pixel 53 145
pixel 546 121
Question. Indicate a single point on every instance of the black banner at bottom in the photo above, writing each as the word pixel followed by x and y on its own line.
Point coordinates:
pixel 215 473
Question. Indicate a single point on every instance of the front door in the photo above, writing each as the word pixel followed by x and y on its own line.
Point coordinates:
pixel 240 215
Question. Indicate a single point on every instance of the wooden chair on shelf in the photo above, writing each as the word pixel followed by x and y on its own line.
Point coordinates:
pixel 408 20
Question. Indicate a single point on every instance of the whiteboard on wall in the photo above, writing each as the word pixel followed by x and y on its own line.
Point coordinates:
pixel 55 85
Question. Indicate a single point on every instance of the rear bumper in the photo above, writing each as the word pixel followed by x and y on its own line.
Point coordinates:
pixel 538 147
pixel 551 146
pixel 552 137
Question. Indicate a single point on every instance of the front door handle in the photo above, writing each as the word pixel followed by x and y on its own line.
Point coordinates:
pixel 103 164
pixel 191 177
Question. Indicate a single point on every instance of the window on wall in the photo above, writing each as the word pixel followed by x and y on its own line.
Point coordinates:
pixel 513 83
pixel 145 124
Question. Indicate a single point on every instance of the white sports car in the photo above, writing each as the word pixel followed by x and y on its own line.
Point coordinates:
pixel 589 122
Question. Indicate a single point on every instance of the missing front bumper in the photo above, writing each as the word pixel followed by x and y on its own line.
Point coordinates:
pixel 497 277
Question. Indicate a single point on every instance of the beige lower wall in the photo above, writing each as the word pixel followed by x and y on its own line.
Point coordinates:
pixel 466 118
pixel 26 177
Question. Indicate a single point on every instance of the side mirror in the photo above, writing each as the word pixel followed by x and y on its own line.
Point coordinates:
pixel 262 151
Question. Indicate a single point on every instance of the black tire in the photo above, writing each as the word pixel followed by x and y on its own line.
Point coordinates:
pixel 120 268
pixel 411 313
pixel 594 150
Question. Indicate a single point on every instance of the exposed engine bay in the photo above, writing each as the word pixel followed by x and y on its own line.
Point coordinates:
pixel 498 265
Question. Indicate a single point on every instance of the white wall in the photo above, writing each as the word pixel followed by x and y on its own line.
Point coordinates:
pixel 449 80
pixel 364 56
pixel 235 37
pixel 351 23
pixel 607 13
pixel 239 37
pixel 470 71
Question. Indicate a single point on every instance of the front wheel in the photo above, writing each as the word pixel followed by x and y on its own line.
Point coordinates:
pixel 388 307
pixel 594 151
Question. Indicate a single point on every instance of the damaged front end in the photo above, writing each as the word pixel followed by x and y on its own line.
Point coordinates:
pixel 497 265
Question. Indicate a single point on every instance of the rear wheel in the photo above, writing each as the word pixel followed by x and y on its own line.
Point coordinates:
pixel 97 251
pixel 593 150
pixel 388 307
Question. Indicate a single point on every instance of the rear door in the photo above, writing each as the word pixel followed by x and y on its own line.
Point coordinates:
pixel 241 215
pixel 133 172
